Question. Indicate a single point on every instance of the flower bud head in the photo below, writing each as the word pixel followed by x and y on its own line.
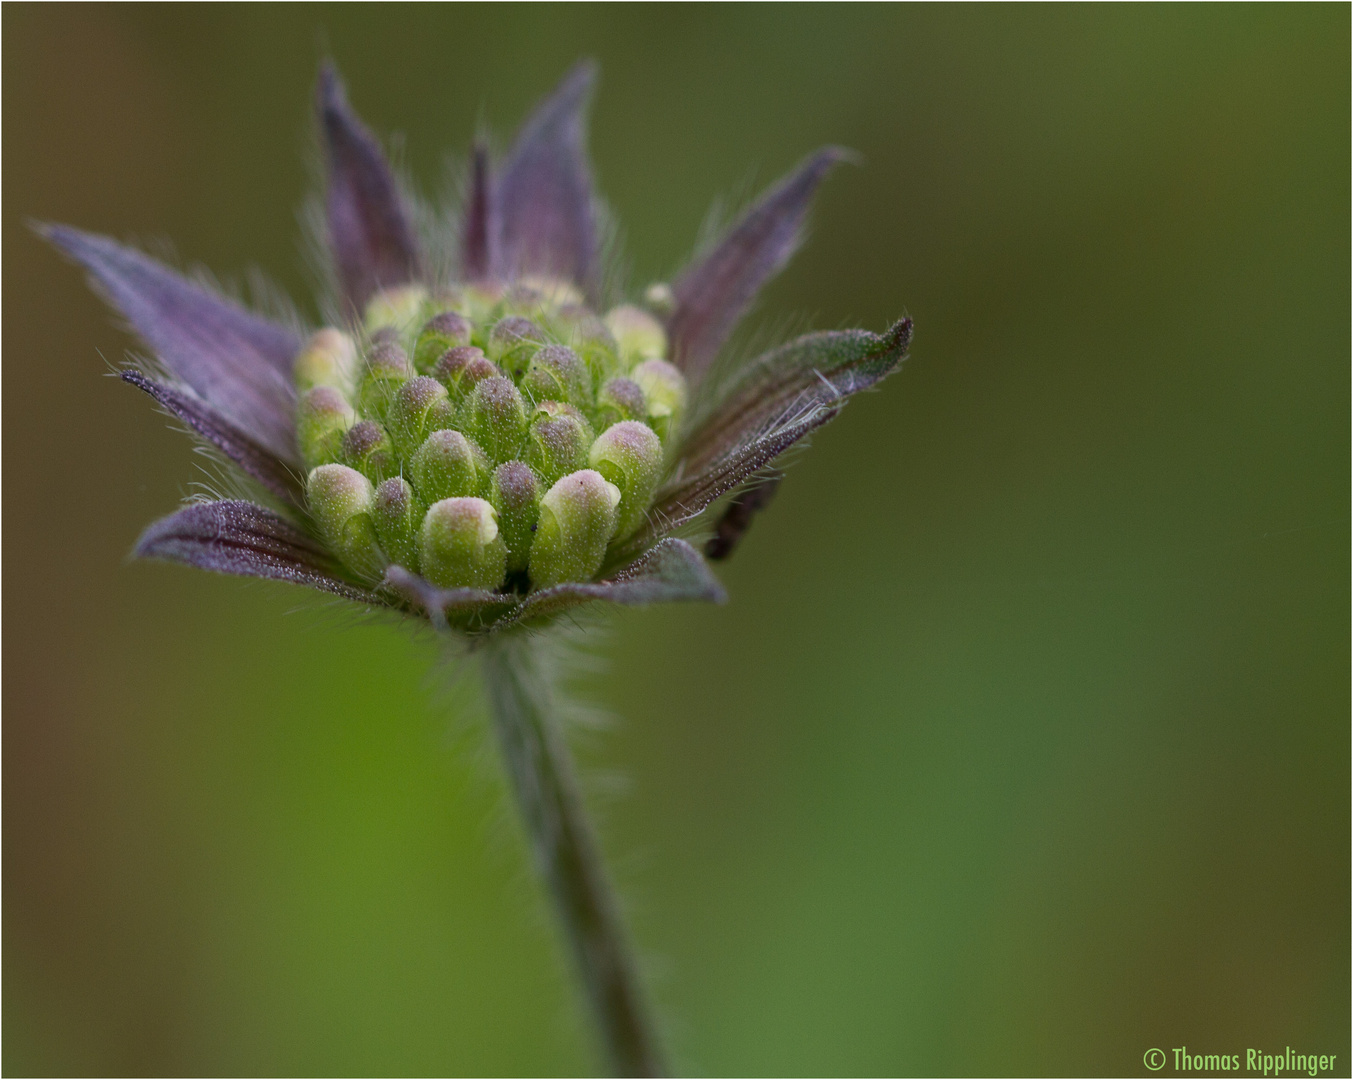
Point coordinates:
pixel 629 455
pixel 398 514
pixel 557 373
pixel 398 307
pixel 459 545
pixel 340 501
pixel 387 369
pixel 422 406
pixel 322 418
pixel 620 399
pixel 494 415
pixel 367 448
pixel 558 440
pixel 664 390
pixel 462 368
pixel 446 466
pixel 512 342
pixel 515 495
pixel 328 359
pixel 639 335
pixel 445 331
pixel 577 518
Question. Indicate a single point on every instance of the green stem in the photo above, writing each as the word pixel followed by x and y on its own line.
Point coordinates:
pixel 565 849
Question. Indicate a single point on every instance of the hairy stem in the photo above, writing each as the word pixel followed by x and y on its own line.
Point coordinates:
pixel 565 849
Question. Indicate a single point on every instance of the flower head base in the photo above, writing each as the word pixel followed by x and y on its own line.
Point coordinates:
pixel 494 447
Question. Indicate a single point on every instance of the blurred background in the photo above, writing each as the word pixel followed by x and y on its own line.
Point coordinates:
pixel 1023 745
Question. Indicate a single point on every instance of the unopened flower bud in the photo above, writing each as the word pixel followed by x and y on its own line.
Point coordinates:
pixel 482 300
pixel 620 399
pixel 557 373
pixel 340 501
pixel 577 518
pixel 422 406
pixel 398 514
pixel 447 465
pixel 512 342
pixel 515 495
pixel 328 359
pixel 460 546
pixel 445 331
pixel 387 369
pixel 558 440
pixel 658 299
pixel 461 369
pixel 664 390
pixel 398 307
pixel 552 290
pixel 368 449
pixel 629 455
pixel 494 415
pixel 588 336
pixel 639 335
pixel 322 418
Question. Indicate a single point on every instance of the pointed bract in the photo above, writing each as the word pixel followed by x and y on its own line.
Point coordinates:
pixel 781 386
pixel 669 571
pixel 714 293
pixel 264 466
pixel 237 362
pixel 370 229
pixel 781 397
pixel 543 193
pixel 435 601
pixel 479 227
pixel 236 537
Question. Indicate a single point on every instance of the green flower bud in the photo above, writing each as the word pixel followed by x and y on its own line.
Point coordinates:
pixel 387 369
pixel 481 301
pixel 459 545
pixel 367 448
pixel 397 514
pixel 322 418
pixel 577 518
pixel 398 307
pixel 328 359
pixel 446 466
pixel 515 495
pixel 551 291
pixel 664 390
pixel 619 399
pixel 658 299
pixel 557 441
pixel 461 369
pixel 557 373
pixel 587 335
pixel 445 331
pixel 340 501
pixel 494 415
pixel 512 342
pixel 639 335
pixel 629 455
pixel 422 406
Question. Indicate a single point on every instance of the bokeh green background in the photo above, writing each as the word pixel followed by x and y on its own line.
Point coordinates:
pixel 1023 745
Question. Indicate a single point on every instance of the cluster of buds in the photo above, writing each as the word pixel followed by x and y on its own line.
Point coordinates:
pixel 488 437
pixel 483 448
